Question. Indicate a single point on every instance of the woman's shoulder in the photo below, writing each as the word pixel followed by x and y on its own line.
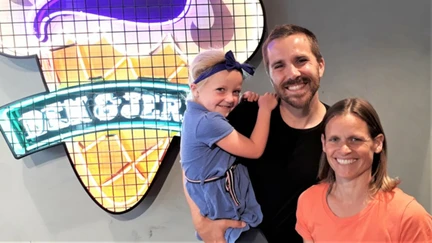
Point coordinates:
pixel 414 218
pixel 314 191
pixel 404 203
pixel 396 197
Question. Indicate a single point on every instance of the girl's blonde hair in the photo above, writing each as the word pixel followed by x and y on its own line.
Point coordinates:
pixel 203 62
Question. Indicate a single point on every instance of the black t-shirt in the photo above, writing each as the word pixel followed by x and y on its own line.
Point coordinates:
pixel 288 166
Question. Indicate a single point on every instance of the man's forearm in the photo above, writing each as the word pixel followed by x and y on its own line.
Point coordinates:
pixel 195 211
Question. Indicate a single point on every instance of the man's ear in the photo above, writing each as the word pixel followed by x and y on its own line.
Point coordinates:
pixel 321 65
pixel 271 82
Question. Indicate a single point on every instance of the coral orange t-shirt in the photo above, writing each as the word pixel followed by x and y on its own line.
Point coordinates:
pixel 389 217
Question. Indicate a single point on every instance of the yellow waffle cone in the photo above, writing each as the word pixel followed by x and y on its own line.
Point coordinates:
pixel 117 167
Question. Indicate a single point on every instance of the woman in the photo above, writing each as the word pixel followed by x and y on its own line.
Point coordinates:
pixel 356 200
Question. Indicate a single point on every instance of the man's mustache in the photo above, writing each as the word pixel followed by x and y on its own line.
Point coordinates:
pixel 298 80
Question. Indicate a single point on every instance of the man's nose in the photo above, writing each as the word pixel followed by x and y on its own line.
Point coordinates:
pixel 293 72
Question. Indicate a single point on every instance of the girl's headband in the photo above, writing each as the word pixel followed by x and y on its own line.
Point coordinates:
pixel 229 64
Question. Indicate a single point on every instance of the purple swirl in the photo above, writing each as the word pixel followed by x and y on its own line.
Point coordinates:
pixel 139 11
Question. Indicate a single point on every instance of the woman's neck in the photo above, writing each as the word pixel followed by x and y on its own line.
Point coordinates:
pixel 349 197
pixel 352 191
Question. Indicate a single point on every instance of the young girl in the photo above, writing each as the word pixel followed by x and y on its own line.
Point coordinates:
pixel 209 144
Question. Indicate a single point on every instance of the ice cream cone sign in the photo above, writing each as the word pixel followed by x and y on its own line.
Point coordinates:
pixel 116 78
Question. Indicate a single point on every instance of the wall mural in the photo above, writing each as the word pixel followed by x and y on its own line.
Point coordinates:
pixel 116 79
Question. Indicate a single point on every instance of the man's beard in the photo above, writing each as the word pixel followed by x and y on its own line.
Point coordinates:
pixel 298 102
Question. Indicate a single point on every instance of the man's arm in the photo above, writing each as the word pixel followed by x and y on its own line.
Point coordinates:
pixel 209 230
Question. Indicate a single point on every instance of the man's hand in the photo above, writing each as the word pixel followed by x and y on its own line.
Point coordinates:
pixel 210 231
pixel 250 96
pixel 213 231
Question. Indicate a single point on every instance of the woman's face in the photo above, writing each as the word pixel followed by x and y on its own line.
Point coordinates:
pixel 349 147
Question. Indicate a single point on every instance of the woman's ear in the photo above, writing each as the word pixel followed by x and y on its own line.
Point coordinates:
pixel 378 143
pixel 323 142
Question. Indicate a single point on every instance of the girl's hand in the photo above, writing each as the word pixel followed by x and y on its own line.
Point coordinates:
pixel 268 101
pixel 250 96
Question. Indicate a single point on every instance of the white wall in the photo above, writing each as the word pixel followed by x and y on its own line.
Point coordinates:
pixel 379 50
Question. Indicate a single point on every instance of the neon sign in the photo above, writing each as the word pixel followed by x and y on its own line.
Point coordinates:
pixel 45 120
pixel 116 77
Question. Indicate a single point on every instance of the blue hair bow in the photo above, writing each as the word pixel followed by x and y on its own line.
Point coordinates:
pixel 229 64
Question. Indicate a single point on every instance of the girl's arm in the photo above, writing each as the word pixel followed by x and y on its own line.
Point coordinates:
pixel 253 147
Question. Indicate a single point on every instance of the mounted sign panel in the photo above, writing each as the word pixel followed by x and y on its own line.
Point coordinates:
pixel 116 80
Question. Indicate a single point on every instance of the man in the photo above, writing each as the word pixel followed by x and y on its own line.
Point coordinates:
pixel 290 162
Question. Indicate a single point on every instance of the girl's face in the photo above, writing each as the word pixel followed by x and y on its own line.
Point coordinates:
pixel 220 93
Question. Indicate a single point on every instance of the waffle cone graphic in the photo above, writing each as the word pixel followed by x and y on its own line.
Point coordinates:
pixel 117 166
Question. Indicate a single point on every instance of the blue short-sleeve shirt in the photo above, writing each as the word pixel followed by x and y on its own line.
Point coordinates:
pixel 201 130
